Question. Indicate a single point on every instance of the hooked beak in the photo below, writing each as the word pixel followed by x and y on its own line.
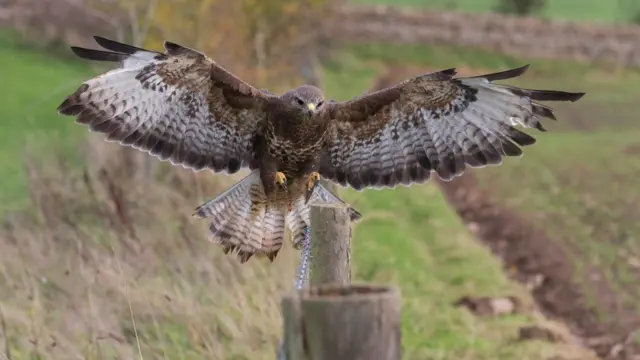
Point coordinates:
pixel 311 107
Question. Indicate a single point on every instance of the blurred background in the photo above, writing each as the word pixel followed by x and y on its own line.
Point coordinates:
pixel 100 259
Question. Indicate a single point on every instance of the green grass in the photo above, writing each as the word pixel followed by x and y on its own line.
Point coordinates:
pixel 580 179
pixel 573 10
pixel 411 237
pixel 582 187
pixel 201 304
pixel 33 84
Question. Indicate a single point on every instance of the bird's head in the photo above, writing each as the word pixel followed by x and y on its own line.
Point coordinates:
pixel 306 98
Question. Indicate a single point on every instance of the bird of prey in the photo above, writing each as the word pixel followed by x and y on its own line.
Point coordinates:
pixel 183 107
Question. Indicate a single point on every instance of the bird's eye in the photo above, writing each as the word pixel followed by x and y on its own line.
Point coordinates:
pixel 299 101
pixel 320 103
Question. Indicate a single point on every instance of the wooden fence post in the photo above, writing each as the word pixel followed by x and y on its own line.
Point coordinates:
pixel 331 322
pixel 330 245
pixel 334 320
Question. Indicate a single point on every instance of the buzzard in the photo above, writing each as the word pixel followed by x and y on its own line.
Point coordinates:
pixel 183 107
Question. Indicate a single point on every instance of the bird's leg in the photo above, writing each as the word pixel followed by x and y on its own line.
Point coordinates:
pixel 280 179
pixel 314 177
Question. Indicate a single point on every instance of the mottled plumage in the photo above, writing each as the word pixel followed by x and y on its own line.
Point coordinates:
pixel 183 107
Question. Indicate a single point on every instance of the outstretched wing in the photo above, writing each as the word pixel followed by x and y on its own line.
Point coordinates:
pixel 434 122
pixel 179 106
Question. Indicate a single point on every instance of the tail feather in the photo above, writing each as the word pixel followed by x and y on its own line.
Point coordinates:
pixel 243 222
pixel 300 218
pixel 273 231
pixel 322 195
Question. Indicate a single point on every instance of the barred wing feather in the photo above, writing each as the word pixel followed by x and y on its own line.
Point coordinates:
pixel 179 106
pixel 432 123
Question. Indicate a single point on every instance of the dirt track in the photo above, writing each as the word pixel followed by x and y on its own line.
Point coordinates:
pixel 534 259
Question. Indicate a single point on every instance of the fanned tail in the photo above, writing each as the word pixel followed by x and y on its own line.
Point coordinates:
pixel 242 221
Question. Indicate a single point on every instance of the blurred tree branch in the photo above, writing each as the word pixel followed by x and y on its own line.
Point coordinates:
pixel 274 42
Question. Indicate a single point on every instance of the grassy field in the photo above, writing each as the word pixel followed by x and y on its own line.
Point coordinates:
pixel 575 10
pixel 579 181
pixel 33 82
pixel 87 259
pixel 587 199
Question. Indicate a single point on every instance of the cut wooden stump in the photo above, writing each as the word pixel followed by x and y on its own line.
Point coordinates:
pixel 352 322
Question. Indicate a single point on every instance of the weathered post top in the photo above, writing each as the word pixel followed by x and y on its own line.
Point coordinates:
pixel 353 322
pixel 330 245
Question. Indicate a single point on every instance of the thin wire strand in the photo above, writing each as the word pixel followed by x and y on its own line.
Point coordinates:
pixel 302 275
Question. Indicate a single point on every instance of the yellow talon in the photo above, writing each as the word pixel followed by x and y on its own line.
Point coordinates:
pixel 313 178
pixel 281 179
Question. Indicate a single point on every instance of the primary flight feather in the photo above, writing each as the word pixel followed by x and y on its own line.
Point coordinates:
pixel 183 107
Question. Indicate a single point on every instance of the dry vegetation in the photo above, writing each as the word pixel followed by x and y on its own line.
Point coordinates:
pixel 107 262
pixel 96 224
pixel 104 265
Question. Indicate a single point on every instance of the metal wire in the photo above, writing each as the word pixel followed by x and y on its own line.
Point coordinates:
pixel 302 275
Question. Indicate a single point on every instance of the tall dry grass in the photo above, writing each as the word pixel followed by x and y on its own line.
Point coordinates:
pixel 103 267
pixel 107 262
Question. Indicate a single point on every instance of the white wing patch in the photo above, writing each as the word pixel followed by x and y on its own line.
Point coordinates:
pixel 438 124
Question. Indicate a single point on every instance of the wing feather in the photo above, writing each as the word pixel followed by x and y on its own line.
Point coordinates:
pixel 179 106
pixel 431 123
